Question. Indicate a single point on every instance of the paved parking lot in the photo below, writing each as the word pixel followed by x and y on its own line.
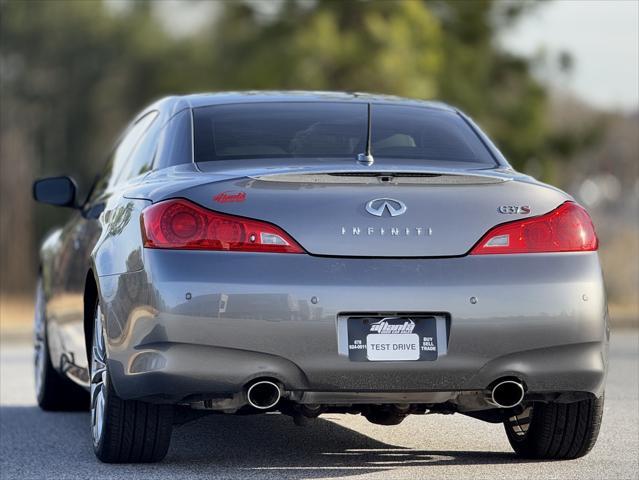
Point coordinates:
pixel 34 444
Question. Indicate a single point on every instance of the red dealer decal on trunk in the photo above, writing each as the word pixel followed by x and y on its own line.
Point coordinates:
pixel 230 197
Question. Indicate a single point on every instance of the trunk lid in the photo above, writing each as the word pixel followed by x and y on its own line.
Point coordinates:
pixel 410 214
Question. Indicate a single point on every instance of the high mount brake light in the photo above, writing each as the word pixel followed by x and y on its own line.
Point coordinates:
pixel 568 228
pixel 183 225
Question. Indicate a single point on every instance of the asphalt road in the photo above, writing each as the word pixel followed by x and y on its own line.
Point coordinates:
pixel 35 444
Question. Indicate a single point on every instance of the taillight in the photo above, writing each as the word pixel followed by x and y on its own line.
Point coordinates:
pixel 181 224
pixel 568 228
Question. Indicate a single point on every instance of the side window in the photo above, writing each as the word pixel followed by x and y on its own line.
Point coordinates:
pixel 120 163
pixel 143 155
pixel 174 141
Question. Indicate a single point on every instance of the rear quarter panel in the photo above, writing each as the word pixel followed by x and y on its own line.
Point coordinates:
pixel 108 245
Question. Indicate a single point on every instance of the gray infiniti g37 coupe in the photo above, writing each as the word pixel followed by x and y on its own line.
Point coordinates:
pixel 313 253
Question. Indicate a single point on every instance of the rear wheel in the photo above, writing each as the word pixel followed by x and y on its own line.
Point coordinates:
pixel 123 431
pixel 558 431
pixel 53 391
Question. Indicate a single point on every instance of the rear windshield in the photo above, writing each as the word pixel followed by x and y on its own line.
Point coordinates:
pixel 334 130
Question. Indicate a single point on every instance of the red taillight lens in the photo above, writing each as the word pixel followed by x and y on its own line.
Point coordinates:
pixel 180 224
pixel 568 228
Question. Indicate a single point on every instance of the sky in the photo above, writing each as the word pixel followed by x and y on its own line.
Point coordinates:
pixel 601 35
pixel 603 38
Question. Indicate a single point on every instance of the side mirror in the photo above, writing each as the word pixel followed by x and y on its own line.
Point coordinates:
pixel 59 191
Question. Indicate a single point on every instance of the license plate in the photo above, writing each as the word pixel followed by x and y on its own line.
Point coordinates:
pixel 384 339
pixel 388 346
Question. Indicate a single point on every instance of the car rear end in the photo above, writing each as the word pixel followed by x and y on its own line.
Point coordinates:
pixel 290 277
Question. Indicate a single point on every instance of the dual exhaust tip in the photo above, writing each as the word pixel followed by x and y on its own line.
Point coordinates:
pixel 263 394
pixel 507 394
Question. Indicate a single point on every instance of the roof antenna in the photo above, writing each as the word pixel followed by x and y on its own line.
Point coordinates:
pixel 367 158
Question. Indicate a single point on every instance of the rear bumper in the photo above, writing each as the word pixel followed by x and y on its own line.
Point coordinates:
pixel 204 324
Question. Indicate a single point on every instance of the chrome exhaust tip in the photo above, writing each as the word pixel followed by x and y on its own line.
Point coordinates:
pixel 263 394
pixel 507 394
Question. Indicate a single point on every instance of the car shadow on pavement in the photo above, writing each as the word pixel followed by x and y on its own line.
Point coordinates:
pixel 34 443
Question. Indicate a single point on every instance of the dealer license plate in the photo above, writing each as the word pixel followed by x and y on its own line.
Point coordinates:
pixel 379 339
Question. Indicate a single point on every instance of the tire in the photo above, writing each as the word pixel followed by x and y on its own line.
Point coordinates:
pixel 123 431
pixel 53 391
pixel 556 431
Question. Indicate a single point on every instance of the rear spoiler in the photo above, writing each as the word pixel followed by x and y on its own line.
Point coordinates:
pixel 426 177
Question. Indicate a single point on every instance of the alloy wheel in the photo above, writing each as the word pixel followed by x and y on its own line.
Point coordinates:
pixel 98 377
pixel 519 424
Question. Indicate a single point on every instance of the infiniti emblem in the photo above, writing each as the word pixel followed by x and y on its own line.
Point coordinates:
pixel 378 205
